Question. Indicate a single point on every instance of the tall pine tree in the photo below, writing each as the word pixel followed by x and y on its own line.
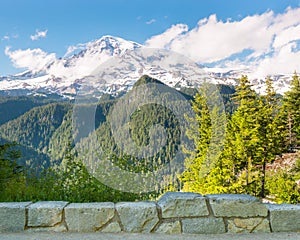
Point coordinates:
pixel 270 138
pixel 207 131
pixel 200 133
pixel 292 109
pixel 244 130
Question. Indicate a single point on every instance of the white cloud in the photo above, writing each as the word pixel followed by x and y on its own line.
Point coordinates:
pixel 151 21
pixel 268 39
pixel 72 49
pixel 286 36
pixel 31 59
pixel 165 39
pixel 212 40
pixel 284 60
pixel 38 34
pixel 6 37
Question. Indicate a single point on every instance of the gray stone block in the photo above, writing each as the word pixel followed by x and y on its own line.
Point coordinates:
pixel 13 216
pixel 284 217
pixel 169 228
pixel 61 227
pixel 45 214
pixel 138 216
pixel 248 225
pixel 203 226
pixel 88 217
pixel 113 227
pixel 236 205
pixel 181 204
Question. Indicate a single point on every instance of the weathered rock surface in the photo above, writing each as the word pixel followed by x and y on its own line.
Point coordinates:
pixel 45 214
pixel 87 217
pixel 203 225
pixel 248 225
pixel 236 205
pixel 138 216
pixel 12 216
pixel 113 227
pixel 174 213
pixel 179 204
pixel 284 217
pixel 169 228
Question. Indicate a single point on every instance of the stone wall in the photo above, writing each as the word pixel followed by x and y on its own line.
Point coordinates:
pixel 173 213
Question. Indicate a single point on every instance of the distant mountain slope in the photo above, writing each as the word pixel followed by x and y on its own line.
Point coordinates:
pixel 66 76
pixel 45 131
pixel 13 107
pixel 35 128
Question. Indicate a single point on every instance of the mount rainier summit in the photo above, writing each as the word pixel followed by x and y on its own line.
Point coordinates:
pixel 112 64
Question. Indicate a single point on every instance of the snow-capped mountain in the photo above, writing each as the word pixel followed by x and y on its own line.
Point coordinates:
pixel 111 65
pixel 281 82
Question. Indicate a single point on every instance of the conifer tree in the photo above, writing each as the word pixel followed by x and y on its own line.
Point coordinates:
pixel 292 109
pixel 207 131
pixel 9 169
pixel 200 133
pixel 268 130
pixel 244 128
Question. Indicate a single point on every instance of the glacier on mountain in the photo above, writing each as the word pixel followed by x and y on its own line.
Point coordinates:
pixel 85 65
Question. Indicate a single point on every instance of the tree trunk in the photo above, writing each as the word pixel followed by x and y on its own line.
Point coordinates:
pixel 263 180
pixel 290 130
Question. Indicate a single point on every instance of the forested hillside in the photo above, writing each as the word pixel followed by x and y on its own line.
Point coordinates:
pixel 261 128
pixel 258 129
pixel 13 107
pixel 47 129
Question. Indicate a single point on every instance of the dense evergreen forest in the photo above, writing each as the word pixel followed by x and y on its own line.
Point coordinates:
pixel 39 160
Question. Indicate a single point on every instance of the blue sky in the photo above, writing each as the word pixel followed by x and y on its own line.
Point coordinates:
pixel 53 26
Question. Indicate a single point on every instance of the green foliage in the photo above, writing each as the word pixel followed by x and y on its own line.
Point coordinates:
pixel 72 182
pixel 76 184
pixel 47 131
pixel 242 139
pixel 102 145
pixel 9 169
pixel 35 128
pixel 291 113
pixel 258 128
pixel 206 130
pixel 253 139
pixel 200 132
pixel 270 136
pixel 283 187
pixel 284 184
pixel 13 107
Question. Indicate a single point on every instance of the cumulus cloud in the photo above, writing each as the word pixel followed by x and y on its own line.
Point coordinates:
pixel 212 40
pixel 284 60
pixel 266 39
pixel 38 34
pixel 286 36
pixel 31 59
pixel 166 38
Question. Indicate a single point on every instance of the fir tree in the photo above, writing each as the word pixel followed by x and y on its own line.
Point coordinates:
pixel 292 108
pixel 269 132
pixel 207 131
pixel 9 169
pixel 244 128
pixel 200 133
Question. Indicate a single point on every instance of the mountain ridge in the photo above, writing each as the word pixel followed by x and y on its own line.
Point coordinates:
pixel 66 75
